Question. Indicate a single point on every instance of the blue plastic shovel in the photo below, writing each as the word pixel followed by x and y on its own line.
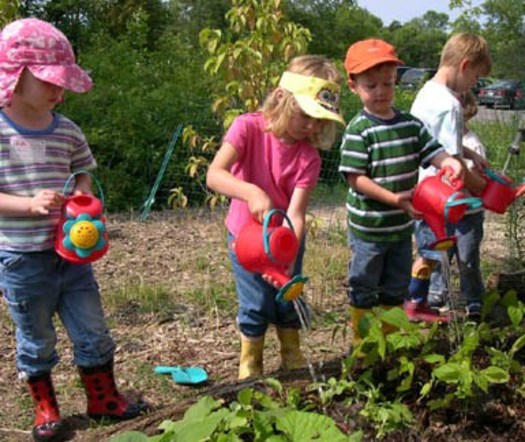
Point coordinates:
pixel 184 375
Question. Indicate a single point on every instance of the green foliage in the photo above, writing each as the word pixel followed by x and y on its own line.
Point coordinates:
pixel 334 25
pixel 143 96
pixel 8 11
pixel 254 416
pixel 260 40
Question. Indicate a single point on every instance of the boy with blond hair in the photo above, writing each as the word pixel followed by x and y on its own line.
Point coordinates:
pixel 381 152
pixel 464 58
pixel 438 292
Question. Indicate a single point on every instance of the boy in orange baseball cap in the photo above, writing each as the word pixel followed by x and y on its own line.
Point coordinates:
pixel 381 152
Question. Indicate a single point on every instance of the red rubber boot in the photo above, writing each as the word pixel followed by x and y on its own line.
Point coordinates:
pixel 104 400
pixel 47 426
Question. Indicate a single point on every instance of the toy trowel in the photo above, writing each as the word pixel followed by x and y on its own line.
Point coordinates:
pixel 184 375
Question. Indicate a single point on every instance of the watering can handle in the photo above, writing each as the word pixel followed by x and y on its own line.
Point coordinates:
pixel 472 201
pixel 456 183
pixel 93 177
pixel 266 234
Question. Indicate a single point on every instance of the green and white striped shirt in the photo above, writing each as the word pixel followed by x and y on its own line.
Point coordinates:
pixel 389 152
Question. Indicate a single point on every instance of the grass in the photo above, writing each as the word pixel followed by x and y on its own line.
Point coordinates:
pixel 147 298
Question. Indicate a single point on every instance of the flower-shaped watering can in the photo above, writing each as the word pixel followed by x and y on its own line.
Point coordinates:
pixel 441 201
pixel 500 192
pixel 271 250
pixel 81 232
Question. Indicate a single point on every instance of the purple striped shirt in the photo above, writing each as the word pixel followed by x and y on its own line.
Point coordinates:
pixel 32 160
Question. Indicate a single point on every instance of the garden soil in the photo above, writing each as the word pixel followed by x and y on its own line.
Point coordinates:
pixel 148 257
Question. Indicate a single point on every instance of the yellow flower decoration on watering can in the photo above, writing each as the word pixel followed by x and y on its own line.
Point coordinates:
pixel 84 235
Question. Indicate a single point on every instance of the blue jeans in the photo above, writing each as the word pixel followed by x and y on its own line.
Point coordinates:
pixel 469 234
pixel 257 305
pixel 38 285
pixel 378 272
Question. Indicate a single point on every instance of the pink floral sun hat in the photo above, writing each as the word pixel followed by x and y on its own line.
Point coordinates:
pixel 44 50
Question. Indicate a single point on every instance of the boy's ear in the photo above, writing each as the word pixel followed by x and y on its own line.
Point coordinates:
pixel 463 65
pixel 352 85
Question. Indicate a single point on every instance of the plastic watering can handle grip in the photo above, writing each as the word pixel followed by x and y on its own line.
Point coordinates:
pixel 93 177
pixel 266 234
pixel 472 201
pixel 494 176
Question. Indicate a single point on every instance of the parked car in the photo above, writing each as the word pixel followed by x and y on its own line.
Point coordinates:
pixel 503 93
pixel 415 78
pixel 400 71
pixel 481 83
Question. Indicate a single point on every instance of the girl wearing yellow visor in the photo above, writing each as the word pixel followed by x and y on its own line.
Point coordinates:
pixel 270 160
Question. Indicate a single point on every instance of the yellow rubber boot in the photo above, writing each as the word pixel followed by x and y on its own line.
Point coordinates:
pixel 291 355
pixel 388 328
pixel 356 314
pixel 251 363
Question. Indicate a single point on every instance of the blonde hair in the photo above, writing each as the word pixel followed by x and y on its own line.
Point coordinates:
pixel 466 46
pixel 280 104
pixel 470 107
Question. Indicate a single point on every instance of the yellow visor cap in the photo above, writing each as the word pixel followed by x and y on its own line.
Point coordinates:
pixel 317 97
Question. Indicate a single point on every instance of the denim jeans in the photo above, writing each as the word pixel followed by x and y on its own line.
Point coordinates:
pixel 257 304
pixel 378 272
pixel 38 285
pixel 469 234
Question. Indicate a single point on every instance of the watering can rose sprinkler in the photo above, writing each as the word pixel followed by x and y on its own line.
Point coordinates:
pixel 81 232
pixel 270 251
pixel 441 202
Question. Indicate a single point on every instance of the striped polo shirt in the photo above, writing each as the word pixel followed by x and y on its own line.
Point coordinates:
pixel 389 152
pixel 32 160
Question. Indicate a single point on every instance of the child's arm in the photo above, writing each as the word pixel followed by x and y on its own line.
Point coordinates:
pixel 220 179
pixel 82 183
pixel 39 204
pixel 479 162
pixel 297 211
pixel 363 184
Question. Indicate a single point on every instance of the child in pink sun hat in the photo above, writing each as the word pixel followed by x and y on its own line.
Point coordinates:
pixel 39 150
pixel 43 50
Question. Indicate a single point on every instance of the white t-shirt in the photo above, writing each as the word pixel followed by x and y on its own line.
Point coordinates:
pixel 439 109
pixel 472 141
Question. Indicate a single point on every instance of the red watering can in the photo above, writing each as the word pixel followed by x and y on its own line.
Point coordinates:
pixel 499 193
pixel 270 250
pixel 442 202
pixel 81 233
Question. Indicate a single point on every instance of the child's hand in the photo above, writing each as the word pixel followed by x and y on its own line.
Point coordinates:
pixel 456 168
pixel 405 203
pixel 259 204
pixel 44 200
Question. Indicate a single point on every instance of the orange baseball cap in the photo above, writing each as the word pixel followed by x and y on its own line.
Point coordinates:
pixel 366 54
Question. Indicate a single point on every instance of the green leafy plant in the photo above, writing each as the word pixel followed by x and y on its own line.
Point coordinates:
pixel 254 416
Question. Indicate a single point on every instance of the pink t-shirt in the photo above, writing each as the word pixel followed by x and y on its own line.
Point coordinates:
pixel 264 160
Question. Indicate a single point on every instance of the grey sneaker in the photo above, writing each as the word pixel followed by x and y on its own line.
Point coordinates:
pixel 437 302
pixel 473 311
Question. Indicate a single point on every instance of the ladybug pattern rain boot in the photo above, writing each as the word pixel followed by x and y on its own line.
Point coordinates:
pixel 47 426
pixel 104 400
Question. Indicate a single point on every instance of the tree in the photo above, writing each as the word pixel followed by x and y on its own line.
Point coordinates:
pixel 419 41
pixel 8 11
pixel 245 62
pixel 334 24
